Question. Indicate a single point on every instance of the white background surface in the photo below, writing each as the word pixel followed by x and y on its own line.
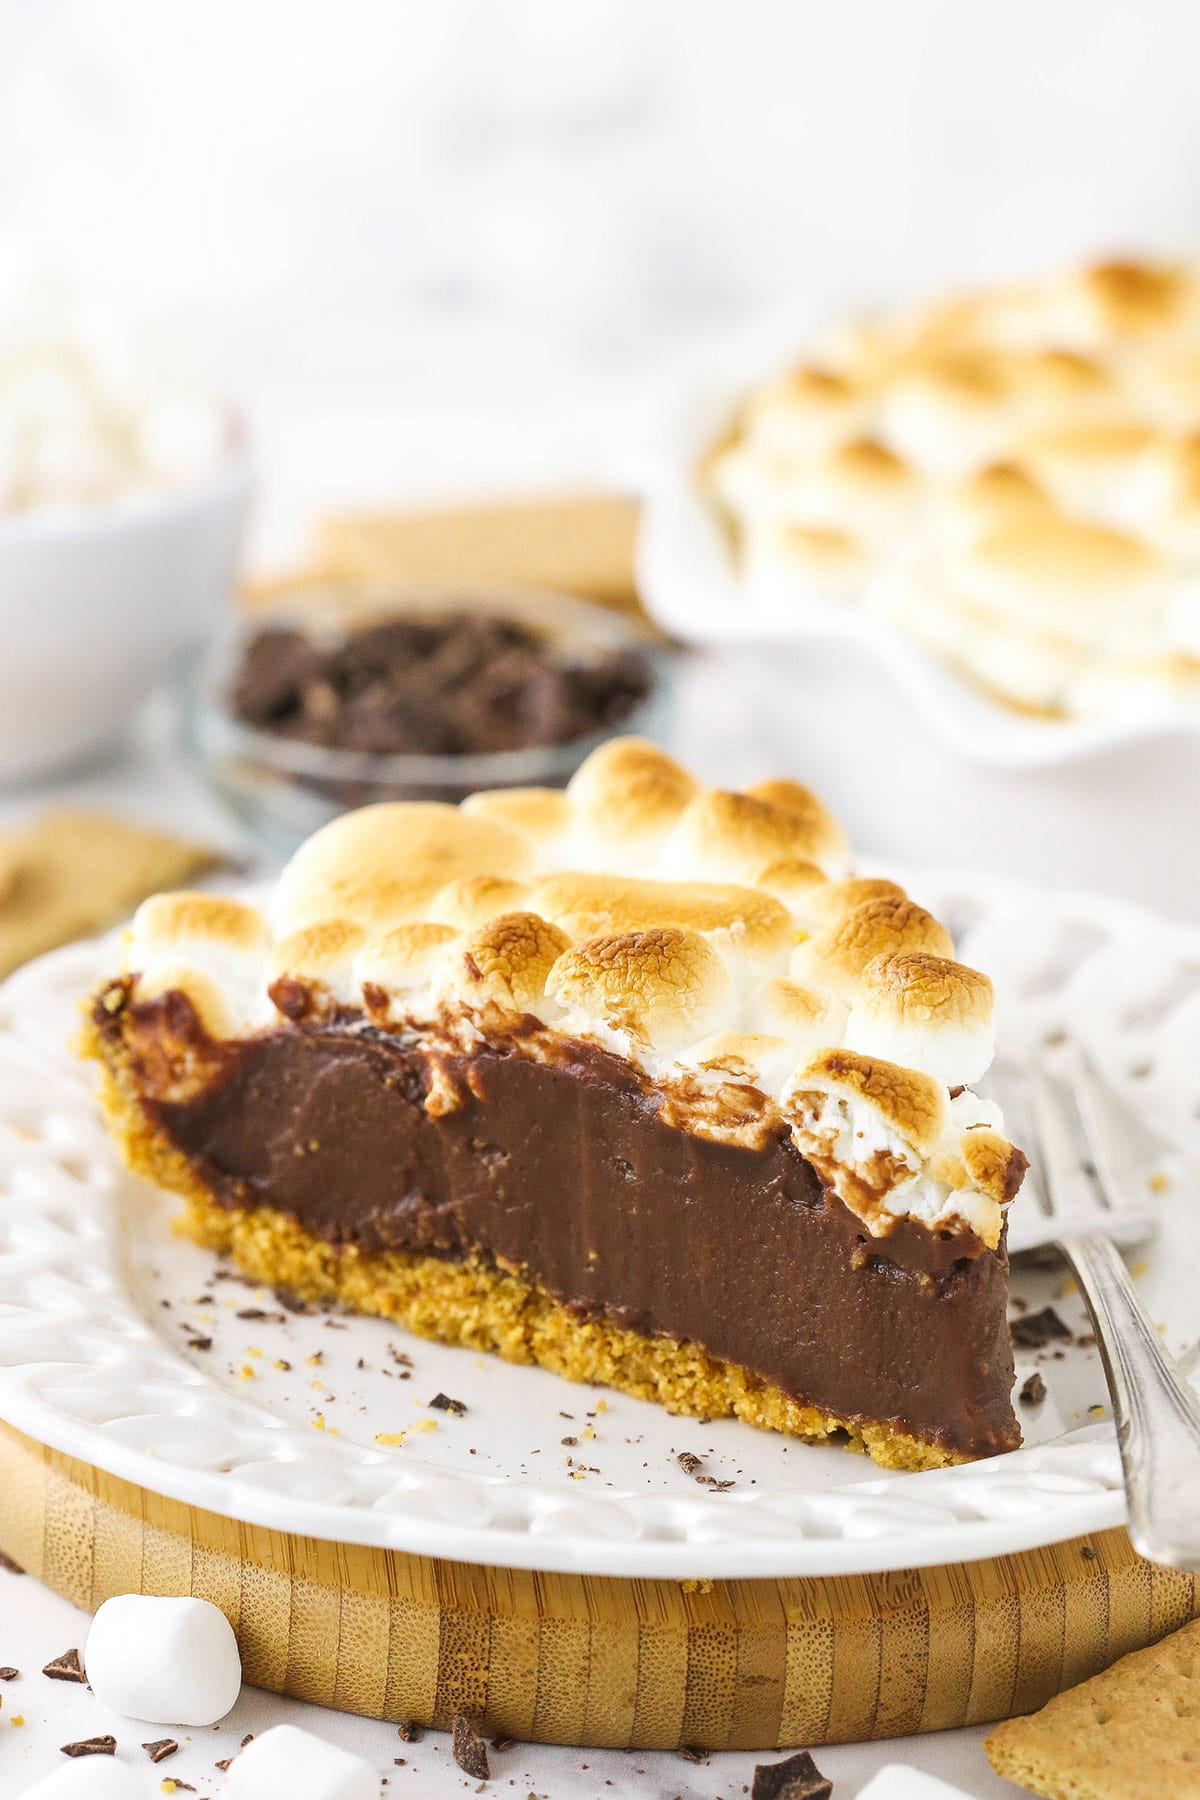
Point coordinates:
pixel 449 245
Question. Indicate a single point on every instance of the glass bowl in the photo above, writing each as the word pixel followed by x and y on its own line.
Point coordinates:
pixel 284 788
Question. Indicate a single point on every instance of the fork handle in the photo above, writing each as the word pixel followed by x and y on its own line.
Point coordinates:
pixel 1156 1411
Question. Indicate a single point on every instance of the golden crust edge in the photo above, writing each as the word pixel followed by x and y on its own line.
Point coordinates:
pixel 476 1305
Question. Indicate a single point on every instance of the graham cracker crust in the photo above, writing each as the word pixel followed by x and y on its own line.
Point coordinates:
pixel 476 1304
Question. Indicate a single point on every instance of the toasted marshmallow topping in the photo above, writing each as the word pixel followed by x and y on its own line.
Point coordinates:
pixel 700 937
pixel 1010 476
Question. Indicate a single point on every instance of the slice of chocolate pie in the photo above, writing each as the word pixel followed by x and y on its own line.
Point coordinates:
pixel 631 1081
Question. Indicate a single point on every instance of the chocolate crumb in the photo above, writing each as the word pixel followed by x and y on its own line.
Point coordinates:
pixel 468 1749
pixel 199 1343
pixel 689 1463
pixel 399 1358
pixel 160 1749
pixel 569 1441
pixel 443 1403
pixel 1088 1554
pixel 95 1746
pixel 1033 1390
pixel 67 1667
pixel 410 1731
pixel 290 1302
pixel 9 1566
pixel 693 1753
pixel 1037 1329
pixel 223 1763
pixel 503 1743
pixel 796 1779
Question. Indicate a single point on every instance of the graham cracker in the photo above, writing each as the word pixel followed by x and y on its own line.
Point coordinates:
pixel 72 872
pixel 1131 1733
pixel 575 544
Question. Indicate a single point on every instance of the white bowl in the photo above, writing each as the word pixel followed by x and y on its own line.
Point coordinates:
pixel 98 604
pixel 904 749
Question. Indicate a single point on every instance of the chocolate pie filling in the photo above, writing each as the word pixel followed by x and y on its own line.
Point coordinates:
pixel 567 1171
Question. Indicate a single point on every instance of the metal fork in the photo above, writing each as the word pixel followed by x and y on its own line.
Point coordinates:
pixel 1082 1196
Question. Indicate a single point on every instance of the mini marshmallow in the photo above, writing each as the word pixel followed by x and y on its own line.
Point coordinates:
pixel 91 1778
pixel 898 1782
pixel 291 1762
pixel 169 1661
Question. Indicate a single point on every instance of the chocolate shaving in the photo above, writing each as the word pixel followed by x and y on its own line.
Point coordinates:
pixel 443 1403
pixel 1033 1390
pixel 468 1749
pixel 97 1746
pixel 9 1566
pixel 503 1743
pixel 689 1463
pixel 67 1667
pixel 160 1749
pixel 199 1343
pixel 410 1731
pixel 796 1779
pixel 1038 1329
pixel 693 1753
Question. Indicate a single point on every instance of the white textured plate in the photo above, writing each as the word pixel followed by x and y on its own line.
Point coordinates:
pixel 102 1307
pixel 689 581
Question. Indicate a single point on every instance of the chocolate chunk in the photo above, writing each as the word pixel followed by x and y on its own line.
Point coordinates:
pixel 94 1746
pixel 1033 1390
pixel 9 1566
pixel 1038 1329
pixel 411 1732
pixel 67 1667
pixel 458 683
pixel 443 1403
pixel 688 1463
pixel 7 1674
pixel 796 1779
pixel 160 1749
pixel 468 1749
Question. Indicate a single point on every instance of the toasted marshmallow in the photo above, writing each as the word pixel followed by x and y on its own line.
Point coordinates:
pixel 924 1012
pixel 402 962
pixel 540 814
pixel 730 837
pixel 474 899
pixel 626 798
pixel 206 946
pixel 804 412
pixel 792 882
pixel 746 926
pixel 823 906
pixel 321 958
pixel 1016 482
pixel 807 1019
pixel 504 963
pixel 382 865
pixel 836 956
pixel 661 988
pixel 753 1058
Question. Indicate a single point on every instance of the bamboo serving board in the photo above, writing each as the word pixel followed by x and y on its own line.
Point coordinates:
pixel 572 1659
